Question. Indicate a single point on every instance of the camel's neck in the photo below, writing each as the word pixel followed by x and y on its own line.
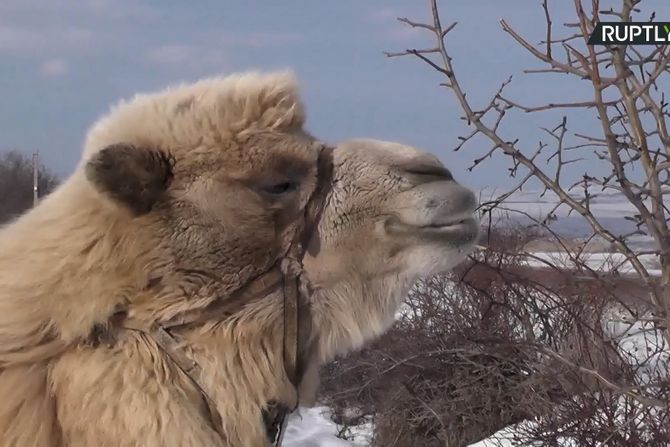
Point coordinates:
pixel 353 312
pixel 62 266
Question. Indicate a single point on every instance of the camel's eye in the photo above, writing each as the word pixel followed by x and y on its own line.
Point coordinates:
pixel 280 188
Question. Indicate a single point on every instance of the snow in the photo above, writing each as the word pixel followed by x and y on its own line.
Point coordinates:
pixel 609 207
pixel 640 343
pixel 605 204
pixel 602 262
pixel 501 438
pixel 313 427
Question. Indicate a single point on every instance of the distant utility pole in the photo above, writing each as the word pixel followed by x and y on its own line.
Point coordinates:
pixel 36 158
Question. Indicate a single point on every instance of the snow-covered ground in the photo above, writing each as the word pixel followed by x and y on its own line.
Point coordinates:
pixel 499 439
pixel 313 427
pixel 610 208
pixel 600 262
pixel 607 204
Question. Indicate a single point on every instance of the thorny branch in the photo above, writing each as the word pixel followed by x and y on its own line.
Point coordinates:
pixel 625 136
pixel 631 109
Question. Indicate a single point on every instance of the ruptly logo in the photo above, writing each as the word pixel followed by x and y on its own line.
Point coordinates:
pixel 631 33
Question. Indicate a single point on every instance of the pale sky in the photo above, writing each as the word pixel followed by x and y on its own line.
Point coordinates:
pixel 64 62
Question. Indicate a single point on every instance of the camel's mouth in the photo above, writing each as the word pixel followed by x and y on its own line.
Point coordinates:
pixel 457 225
pixel 462 230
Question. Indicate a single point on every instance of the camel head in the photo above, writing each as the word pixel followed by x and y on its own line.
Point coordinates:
pixel 215 176
pixel 392 210
pixel 394 214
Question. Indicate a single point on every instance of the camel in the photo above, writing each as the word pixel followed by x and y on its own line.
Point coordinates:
pixel 181 199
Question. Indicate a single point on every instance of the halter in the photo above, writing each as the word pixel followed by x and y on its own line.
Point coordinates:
pixel 288 272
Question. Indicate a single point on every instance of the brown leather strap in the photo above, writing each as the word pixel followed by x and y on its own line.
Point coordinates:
pixel 317 202
pixel 275 419
pixel 174 351
pixel 257 288
pixel 282 428
pixel 291 335
pixel 296 287
pixel 297 318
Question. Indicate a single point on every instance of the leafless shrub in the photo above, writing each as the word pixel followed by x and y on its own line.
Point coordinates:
pixel 471 354
pixel 16 184
pixel 566 350
pixel 491 347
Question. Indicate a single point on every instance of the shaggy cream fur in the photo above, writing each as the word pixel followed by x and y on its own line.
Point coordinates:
pixel 180 198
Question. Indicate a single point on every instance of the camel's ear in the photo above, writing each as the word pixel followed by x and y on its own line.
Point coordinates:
pixel 135 177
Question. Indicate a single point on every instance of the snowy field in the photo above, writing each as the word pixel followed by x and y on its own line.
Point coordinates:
pixel 599 262
pixel 610 208
pixel 313 427
pixel 499 439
